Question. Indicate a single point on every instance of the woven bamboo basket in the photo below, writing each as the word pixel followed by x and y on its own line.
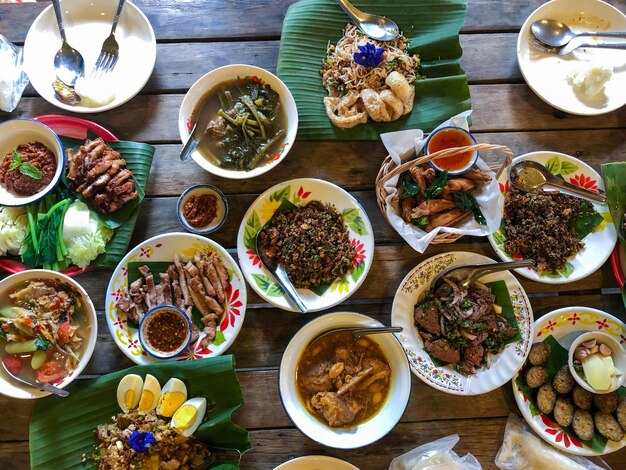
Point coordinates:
pixel 389 169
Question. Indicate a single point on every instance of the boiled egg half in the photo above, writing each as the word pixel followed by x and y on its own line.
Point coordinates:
pixel 173 395
pixel 189 416
pixel 149 395
pixel 129 392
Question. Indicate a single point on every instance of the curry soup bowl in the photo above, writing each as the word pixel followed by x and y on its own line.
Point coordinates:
pixel 368 431
pixel 88 323
pixel 26 131
pixel 198 93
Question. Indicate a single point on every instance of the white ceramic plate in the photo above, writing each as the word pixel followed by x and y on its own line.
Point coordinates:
pixel 163 248
pixel 446 379
pixel 565 325
pixel 379 424
pixel 300 192
pixel 316 462
pixel 546 74
pixel 87 25
pixel 213 79
pixel 12 388
pixel 598 244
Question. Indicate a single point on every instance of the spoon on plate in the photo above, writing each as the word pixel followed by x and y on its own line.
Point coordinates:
pixel 280 274
pixel 45 387
pixel 68 62
pixel 375 26
pixel 465 275
pixel 557 34
pixel 359 331
pixel 528 175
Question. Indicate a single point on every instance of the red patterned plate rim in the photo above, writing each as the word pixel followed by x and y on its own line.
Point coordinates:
pixel 67 126
pixel 617 266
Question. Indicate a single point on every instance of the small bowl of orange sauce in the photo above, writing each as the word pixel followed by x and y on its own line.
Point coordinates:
pixel 451 137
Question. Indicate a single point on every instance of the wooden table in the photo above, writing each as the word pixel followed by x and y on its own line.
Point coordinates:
pixel 195 36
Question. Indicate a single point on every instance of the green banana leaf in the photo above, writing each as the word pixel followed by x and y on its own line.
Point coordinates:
pixel 433 29
pixel 614 175
pixel 62 429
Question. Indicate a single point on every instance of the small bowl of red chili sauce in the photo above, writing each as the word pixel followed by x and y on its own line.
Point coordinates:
pixel 164 331
pixel 202 209
pixel 451 137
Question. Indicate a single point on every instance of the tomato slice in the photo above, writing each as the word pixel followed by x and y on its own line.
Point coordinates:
pixel 63 333
pixel 51 371
pixel 13 363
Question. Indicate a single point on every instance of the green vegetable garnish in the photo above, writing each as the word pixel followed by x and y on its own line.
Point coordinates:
pixel 465 201
pixel 437 187
pixel 409 187
pixel 421 221
pixel 42 344
pixel 586 219
pixel 23 167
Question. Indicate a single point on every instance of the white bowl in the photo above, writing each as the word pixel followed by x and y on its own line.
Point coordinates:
pixel 218 76
pixel 12 388
pixel 24 131
pixel 379 424
pixel 617 353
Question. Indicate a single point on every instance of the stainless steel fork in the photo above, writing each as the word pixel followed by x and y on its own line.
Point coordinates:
pixel 110 52
pixel 573 45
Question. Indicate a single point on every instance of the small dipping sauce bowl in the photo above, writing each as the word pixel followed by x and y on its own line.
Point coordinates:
pixel 164 331
pixel 581 350
pixel 451 137
pixel 202 209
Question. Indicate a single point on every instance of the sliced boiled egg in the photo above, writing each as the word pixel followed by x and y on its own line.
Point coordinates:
pixel 189 416
pixel 129 392
pixel 173 395
pixel 149 395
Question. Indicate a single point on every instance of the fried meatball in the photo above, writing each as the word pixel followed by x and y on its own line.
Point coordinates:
pixel 546 397
pixel 621 412
pixel 583 424
pixel 536 376
pixel 563 411
pixel 605 402
pixel 608 427
pixel 563 382
pixel 538 354
pixel 582 398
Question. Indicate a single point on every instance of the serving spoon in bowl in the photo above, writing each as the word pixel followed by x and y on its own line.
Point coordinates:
pixel 557 34
pixel 528 175
pixel 465 275
pixel 68 62
pixel 44 387
pixel 375 26
pixel 358 331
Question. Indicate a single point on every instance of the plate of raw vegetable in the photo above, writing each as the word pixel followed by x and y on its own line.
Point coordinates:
pixel 70 230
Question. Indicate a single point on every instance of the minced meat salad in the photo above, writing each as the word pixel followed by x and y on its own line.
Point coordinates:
pixel 311 242
pixel 537 226
pixel 27 169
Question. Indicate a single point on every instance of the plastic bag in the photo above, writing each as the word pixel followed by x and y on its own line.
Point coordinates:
pixel 13 79
pixel 437 455
pixel 522 450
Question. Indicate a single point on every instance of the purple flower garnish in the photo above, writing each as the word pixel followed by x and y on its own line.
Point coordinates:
pixel 141 441
pixel 370 55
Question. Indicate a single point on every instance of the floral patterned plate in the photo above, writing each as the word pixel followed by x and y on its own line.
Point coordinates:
pixel 300 192
pixel 445 378
pixel 598 244
pixel 565 325
pixel 163 248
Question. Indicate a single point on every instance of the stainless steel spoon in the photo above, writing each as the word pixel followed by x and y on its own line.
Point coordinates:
pixel 529 175
pixel 375 26
pixel 465 275
pixel 556 34
pixel 45 387
pixel 280 274
pixel 68 62
pixel 359 331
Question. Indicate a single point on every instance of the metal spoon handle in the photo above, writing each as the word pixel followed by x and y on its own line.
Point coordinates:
pixel 281 277
pixel 59 15
pixel 585 193
pixel 190 146
pixel 483 270
pixel 375 330
pixel 52 389
pixel 603 34
pixel 353 12
pixel 117 15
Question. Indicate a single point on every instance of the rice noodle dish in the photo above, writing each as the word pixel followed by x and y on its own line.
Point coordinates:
pixel 368 79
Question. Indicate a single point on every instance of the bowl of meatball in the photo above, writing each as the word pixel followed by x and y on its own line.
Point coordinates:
pixel 31 161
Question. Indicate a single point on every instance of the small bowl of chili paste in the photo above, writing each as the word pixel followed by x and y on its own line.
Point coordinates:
pixel 451 137
pixel 202 209
pixel 164 331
